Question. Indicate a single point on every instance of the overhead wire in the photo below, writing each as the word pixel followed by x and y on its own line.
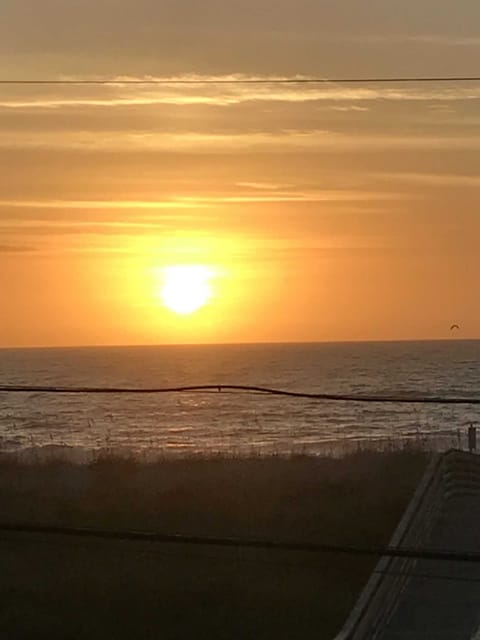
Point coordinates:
pixel 426 576
pixel 205 81
pixel 240 388
pixel 245 543
pixel 160 552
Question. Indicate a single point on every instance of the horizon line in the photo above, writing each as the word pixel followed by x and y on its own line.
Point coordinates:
pixel 234 344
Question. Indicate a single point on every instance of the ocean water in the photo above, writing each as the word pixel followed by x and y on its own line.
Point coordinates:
pixel 237 423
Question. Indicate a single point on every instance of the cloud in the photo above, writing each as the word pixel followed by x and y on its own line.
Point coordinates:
pixel 347 108
pixel 290 140
pixel 16 248
pixel 217 90
pixel 264 186
pixel 449 40
pixel 435 179
pixel 180 202
pixel 41 228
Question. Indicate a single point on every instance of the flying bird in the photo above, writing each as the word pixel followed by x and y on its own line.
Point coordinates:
pixel 454 326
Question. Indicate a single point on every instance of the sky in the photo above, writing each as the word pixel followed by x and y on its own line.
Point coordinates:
pixel 319 212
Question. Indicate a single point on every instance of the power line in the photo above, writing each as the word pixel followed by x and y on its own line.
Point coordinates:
pixel 219 81
pixel 246 543
pixel 425 576
pixel 247 389
pixel 243 559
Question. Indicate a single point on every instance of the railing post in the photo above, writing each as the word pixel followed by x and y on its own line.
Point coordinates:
pixel 472 438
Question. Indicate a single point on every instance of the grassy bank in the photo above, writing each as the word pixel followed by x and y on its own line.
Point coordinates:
pixel 73 589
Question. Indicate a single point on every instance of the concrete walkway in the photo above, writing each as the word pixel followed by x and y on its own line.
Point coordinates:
pixel 434 599
pixel 445 603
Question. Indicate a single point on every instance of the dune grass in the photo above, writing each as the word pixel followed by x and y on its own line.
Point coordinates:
pixel 51 587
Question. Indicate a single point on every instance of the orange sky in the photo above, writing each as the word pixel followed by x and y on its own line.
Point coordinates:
pixel 332 212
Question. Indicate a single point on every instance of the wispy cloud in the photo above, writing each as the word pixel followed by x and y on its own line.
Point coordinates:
pixel 99 204
pixel 284 141
pixel 450 40
pixel 264 186
pixel 16 248
pixel 203 92
pixel 348 108
pixel 436 179
pixel 184 202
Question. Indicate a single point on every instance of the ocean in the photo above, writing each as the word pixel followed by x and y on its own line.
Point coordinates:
pixel 238 424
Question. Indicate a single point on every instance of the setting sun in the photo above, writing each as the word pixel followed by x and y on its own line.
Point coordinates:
pixel 186 288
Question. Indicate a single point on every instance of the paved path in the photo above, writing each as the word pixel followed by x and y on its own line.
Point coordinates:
pixel 429 599
pixel 448 606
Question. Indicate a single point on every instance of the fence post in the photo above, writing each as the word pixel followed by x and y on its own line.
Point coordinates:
pixel 472 438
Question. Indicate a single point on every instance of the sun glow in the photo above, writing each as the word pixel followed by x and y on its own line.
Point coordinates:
pixel 186 288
